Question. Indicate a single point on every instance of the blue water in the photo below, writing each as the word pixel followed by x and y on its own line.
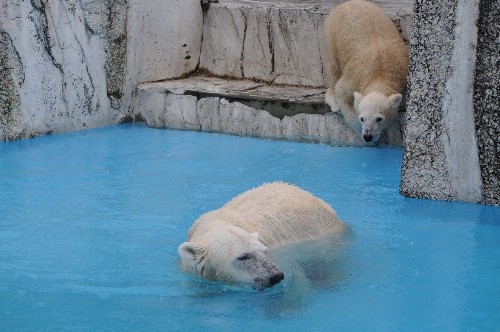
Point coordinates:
pixel 90 223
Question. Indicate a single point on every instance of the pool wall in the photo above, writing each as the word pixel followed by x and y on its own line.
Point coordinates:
pixel 71 65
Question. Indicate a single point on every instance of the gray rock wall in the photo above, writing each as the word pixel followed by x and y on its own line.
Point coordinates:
pixel 11 80
pixel 487 99
pixel 451 134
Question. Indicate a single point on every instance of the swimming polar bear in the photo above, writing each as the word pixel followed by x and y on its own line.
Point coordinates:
pixel 368 67
pixel 230 244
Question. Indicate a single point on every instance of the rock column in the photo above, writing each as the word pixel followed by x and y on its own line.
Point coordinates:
pixel 451 149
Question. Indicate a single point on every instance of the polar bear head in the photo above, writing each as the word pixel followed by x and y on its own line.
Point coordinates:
pixel 230 254
pixel 374 111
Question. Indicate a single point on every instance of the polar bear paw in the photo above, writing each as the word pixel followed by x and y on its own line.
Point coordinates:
pixel 331 101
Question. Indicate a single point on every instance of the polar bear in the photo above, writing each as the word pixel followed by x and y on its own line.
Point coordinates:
pixel 230 244
pixel 368 67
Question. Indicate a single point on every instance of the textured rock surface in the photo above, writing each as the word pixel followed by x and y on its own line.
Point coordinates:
pixel 279 42
pixel 441 158
pixel 56 56
pixel 108 19
pixel 11 80
pixel 487 99
pixel 244 107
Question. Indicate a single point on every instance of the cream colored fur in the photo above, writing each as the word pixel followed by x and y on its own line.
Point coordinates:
pixel 367 56
pixel 280 213
pixel 269 216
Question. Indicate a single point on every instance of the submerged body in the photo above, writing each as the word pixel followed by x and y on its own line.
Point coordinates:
pixel 368 67
pixel 230 244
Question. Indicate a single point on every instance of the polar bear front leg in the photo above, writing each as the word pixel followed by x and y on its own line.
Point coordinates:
pixel 331 100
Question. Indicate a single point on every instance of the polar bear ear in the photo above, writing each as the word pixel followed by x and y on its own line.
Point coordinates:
pixel 357 99
pixel 188 252
pixel 395 100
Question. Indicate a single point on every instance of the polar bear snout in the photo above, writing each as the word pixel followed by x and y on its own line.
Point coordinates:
pixel 262 273
pixel 368 138
pixel 263 283
pixel 276 278
pixel 371 130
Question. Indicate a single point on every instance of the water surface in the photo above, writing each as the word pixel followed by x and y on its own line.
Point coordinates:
pixel 90 223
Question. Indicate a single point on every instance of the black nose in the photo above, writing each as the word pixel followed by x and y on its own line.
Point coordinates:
pixel 276 278
pixel 367 138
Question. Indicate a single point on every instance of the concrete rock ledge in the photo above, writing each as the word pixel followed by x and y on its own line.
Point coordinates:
pixel 248 108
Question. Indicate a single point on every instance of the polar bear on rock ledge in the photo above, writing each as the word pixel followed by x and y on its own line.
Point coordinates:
pixel 368 67
pixel 230 244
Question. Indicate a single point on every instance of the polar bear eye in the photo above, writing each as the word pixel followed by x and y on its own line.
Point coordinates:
pixel 379 119
pixel 244 257
pixel 362 119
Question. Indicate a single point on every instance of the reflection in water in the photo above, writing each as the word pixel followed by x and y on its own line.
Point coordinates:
pixel 310 266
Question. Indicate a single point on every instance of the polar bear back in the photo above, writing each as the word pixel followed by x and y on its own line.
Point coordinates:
pixel 356 24
pixel 366 45
pixel 281 213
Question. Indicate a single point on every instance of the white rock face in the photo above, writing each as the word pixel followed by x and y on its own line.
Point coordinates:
pixel 58 80
pixel 277 42
pixel 74 64
pixel 163 41
pixel 283 46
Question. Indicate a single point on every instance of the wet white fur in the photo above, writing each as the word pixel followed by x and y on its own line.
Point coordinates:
pixel 269 216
